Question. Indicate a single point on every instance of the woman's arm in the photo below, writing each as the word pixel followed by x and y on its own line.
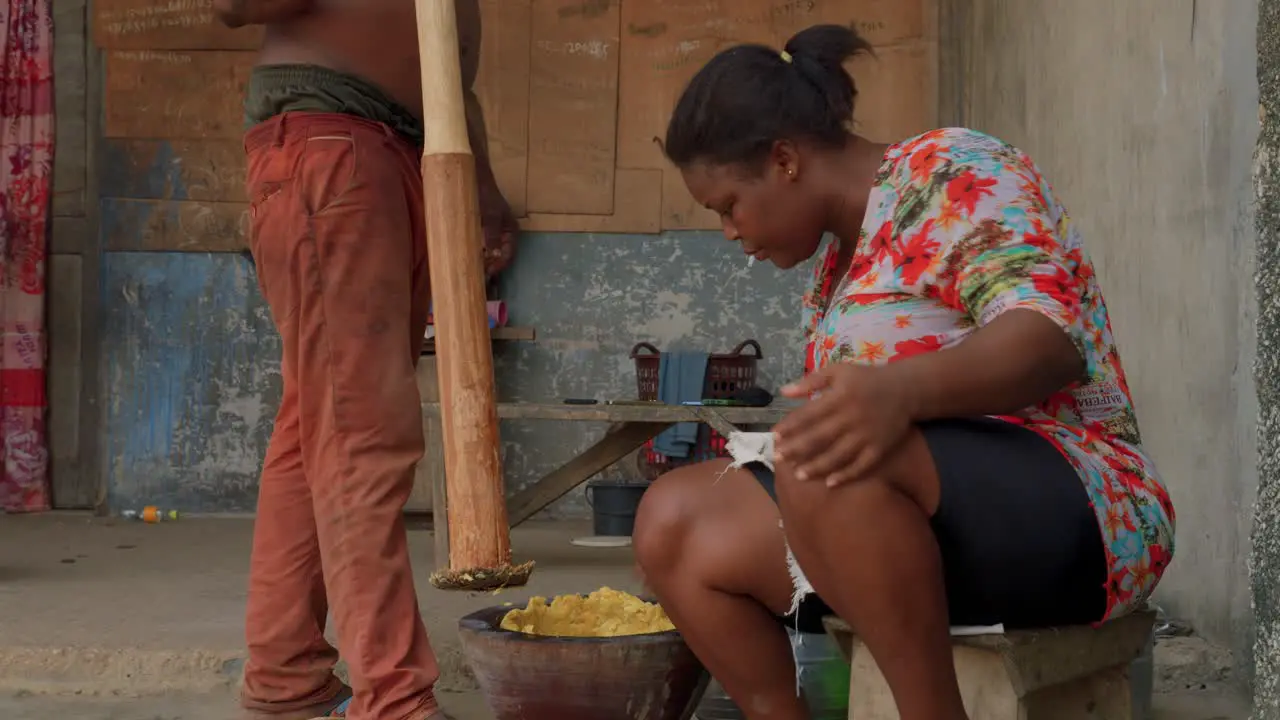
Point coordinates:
pixel 1012 273
pixel 1016 361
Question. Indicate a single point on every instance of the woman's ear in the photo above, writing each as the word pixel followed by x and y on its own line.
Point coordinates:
pixel 784 159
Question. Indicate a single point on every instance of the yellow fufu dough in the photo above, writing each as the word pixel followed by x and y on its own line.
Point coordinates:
pixel 604 613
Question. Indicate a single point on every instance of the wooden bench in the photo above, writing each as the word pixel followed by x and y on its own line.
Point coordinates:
pixel 420 500
pixel 630 427
pixel 1069 673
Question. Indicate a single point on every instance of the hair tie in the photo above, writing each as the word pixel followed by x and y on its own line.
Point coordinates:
pixel 786 56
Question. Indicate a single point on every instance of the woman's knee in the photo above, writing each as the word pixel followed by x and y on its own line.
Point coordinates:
pixel 666 514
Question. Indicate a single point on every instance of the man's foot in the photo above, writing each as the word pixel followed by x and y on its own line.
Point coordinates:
pixel 341 711
pixel 324 709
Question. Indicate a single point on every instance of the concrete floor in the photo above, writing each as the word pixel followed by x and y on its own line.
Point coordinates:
pixel 94 605
pixel 111 620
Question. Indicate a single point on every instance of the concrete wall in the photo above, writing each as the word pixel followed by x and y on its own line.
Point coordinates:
pixel 1266 534
pixel 1143 113
pixel 190 361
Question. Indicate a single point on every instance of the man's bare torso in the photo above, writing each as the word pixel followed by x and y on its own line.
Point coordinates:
pixel 376 40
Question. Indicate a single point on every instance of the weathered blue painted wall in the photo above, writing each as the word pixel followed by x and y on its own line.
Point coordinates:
pixel 593 297
pixel 191 380
pixel 192 373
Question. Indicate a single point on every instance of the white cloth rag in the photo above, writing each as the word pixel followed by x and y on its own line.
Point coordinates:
pixel 749 447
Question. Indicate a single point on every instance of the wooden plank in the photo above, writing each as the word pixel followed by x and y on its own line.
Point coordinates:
pixel 573 108
pixel 637 208
pixel 431 466
pixel 429 490
pixel 71 154
pixel 611 448
pixel 205 170
pixel 166 25
pixel 503 89
pixel 71 236
pixel 509 333
pixel 176 95
pixel 92 349
pixel 651 412
pixel 187 226
pixel 74 485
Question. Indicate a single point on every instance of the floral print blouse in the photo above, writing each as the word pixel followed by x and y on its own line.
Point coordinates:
pixel 960 228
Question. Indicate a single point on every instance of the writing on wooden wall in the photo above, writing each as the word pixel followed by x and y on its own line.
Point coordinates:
pixel 576 96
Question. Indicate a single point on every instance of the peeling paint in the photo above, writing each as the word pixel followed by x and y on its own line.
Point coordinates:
pixel 192 359
pixel 591 298
pixel 191 372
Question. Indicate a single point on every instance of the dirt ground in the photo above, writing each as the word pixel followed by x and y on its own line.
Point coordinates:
pixel 464 706
pixel 109 620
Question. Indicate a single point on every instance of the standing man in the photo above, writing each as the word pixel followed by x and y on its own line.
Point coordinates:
pixel 335 106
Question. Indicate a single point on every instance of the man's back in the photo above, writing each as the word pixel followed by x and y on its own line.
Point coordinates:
pixel 376 40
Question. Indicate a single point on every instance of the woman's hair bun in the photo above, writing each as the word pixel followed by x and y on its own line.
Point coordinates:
pixel 748 97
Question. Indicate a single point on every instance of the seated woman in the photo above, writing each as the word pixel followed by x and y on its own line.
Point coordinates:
pixel 967 453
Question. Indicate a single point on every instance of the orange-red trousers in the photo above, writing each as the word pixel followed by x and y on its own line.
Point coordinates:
pixel 338 240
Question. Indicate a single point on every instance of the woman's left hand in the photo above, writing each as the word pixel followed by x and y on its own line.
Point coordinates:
pixel 855 417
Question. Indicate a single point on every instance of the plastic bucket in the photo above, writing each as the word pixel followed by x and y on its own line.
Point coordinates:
pixel 824 681
pixel 613 506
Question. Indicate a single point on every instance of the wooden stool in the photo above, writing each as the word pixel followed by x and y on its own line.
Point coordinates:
pixel 1069 673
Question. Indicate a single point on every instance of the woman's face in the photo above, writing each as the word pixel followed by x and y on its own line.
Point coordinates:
pixel 771 213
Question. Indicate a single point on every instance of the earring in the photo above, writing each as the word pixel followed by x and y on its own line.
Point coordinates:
pixel 791 172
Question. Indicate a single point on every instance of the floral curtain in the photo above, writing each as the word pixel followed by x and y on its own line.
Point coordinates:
pixel 26 172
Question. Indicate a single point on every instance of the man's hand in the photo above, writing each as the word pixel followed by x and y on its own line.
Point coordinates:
pixel 855 417
pixel 499 223
pixel 238 13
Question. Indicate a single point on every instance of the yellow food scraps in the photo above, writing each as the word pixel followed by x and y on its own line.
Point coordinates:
pixel 604 613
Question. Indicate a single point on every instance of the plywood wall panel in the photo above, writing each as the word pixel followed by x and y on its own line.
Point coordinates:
pixel 573 106
pixel 880 22
pixel 665 42
pixel 637 208
pixel 166 25
pixel 70 171
pixel 576 94
pixel 175 95
pixel 897 91
pixel 503 89
pixel 679 210
pixel 173 225
pixel 204 170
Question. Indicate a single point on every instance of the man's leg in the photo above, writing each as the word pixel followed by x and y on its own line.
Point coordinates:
pixel 290 666
pixel 289 673
pixel 361 419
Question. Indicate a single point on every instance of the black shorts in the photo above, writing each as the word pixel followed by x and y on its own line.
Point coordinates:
pixel 1020 542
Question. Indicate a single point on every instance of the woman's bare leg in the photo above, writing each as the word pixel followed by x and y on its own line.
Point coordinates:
pixel 712 551
pixel 870 553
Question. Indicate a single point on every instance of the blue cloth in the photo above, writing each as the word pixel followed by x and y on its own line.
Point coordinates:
pixel 681 376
